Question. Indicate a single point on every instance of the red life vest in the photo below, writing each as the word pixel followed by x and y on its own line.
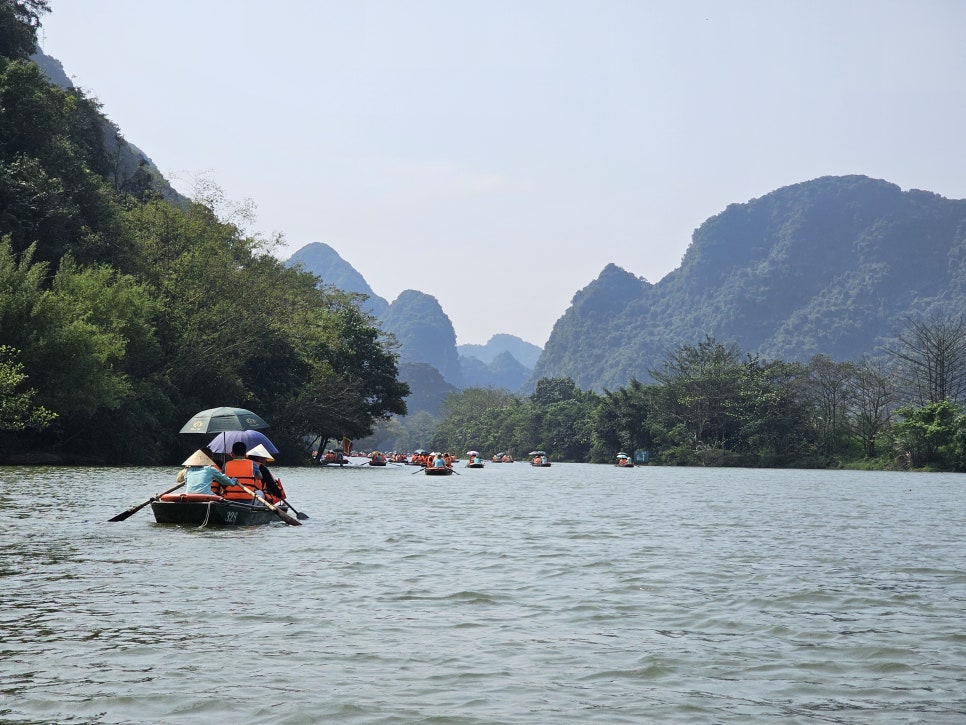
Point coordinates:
pixel 246 471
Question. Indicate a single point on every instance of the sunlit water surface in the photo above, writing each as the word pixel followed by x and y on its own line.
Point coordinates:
pixel 510 594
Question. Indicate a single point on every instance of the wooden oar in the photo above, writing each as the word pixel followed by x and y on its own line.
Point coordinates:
pixel 135 509
pixel 281 514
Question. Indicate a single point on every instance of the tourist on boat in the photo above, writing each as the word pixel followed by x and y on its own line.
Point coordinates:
pixel 201 475
pixel 439 462
pixel 272 487
pixel 244 471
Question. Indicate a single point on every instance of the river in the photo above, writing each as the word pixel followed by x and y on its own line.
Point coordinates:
pixel 511 594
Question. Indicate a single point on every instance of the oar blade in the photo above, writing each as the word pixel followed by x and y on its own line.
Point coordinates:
pixel 300 516
pixel 126 514
pixel 287 519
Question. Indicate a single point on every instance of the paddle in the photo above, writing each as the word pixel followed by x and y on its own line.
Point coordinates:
pixel 298 514
pixel 135 509
pixel 281 514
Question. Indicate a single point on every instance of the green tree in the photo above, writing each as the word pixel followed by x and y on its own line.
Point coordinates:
pixel 700 385
pixel 926 435
pixel 622 421
pixel 19 21
pixel 17 410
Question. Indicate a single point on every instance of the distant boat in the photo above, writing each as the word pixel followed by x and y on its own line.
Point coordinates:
pixel 539 458
pixel 624 461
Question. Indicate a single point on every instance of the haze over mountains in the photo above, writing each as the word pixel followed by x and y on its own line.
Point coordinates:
pixel 830 266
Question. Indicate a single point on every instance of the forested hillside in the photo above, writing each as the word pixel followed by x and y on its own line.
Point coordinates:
pixel 122 314
pixel 830 266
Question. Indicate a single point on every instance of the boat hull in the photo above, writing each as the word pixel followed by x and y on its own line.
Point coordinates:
pixel 431 471
pixel 215 511
pixel 474 465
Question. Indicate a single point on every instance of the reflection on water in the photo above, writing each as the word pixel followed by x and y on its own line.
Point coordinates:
pixel 508 594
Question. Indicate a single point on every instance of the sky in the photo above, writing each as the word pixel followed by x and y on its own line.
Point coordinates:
pixel 498 154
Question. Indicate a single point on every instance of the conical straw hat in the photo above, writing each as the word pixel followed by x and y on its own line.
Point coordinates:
pixel 260 451
pixel 198 458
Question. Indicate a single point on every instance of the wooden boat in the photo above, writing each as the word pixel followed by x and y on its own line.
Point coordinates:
pixel 474 460
pixel 433 471
pixel 624 461
pixel 539 459
pixel 199 509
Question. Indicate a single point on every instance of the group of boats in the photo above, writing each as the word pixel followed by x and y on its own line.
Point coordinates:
pixel 234 425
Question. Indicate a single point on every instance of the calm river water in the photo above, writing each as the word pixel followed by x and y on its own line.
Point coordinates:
pixel 511 594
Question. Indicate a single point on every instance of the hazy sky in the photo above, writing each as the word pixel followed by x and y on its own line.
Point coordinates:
pixel 498 154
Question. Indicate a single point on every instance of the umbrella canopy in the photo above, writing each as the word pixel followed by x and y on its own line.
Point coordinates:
pixel 622 455
pixel 222 442
pixel 472 453
pixel 420 452
pixel 536 453
pixel 216 420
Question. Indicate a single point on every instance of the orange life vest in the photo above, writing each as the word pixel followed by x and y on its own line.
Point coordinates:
pixel 246 471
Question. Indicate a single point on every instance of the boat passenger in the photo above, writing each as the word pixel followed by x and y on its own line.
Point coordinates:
pixel 244 471
pixel 439 462
pixel 201 475
pixel 270 485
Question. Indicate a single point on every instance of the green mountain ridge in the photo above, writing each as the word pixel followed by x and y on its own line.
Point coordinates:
pixel 825 266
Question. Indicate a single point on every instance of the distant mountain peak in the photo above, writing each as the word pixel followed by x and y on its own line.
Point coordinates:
pixel 325 263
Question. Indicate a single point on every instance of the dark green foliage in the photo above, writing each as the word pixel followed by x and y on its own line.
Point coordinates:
pixel 17 408
pixel 19 20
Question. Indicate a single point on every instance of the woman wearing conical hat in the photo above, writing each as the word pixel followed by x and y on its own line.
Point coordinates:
pixel 201 474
